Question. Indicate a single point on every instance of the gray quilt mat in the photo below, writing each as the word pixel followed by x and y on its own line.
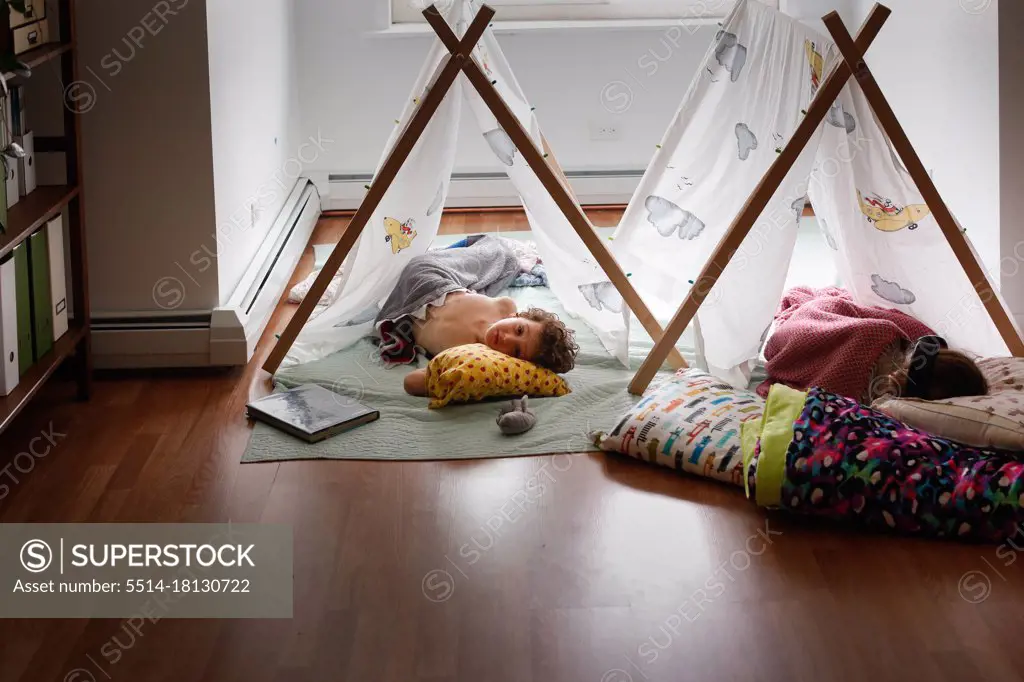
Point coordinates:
pixel 407 430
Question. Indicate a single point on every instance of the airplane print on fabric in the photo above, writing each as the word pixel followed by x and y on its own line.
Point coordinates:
pixel 886 216
pixel 817 65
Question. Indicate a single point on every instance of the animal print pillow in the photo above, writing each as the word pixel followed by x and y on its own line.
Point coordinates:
pixel 690 423
pixel 995 420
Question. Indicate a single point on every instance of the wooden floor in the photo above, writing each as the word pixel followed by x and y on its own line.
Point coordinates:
pixel 539 569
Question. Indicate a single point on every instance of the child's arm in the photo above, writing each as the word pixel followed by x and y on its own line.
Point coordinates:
pixel 416 382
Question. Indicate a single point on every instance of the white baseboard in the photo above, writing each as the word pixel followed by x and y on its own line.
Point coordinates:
pixel 495 189
pixel 322 180
pixel 139 347
pixel 236 327
pixel 226 336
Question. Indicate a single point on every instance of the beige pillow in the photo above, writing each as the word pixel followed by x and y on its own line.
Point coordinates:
pixel 995 420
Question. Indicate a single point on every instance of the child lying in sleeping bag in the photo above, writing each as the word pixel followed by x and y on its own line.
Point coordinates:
pixel 823 338
pixel 820 454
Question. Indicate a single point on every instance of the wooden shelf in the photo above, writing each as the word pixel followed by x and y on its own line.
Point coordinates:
pixel 32 212
pixel 36 376
pixel 38 56
pixel 46 202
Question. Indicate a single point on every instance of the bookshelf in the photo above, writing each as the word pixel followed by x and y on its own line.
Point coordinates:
pixel 44 203
pixel 45 53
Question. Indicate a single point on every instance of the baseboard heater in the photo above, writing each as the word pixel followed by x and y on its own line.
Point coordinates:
pixel 226 336
pixel 495 189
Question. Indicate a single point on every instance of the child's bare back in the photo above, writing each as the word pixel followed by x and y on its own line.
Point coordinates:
pixel 463 318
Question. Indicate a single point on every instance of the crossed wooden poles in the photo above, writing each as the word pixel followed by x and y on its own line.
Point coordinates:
pixel 551 176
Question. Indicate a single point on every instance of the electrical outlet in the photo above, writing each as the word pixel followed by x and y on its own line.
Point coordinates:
pixel 604 130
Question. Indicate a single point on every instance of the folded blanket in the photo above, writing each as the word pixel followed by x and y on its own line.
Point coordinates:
pixel 487 266
pixel 821 454
pixel 823 338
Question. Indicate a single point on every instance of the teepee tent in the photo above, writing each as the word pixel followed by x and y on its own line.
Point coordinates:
pixel 768 122
pixel 402 211
pixel 741 108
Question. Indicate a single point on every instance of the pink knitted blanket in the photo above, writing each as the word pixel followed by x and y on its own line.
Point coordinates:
pixel 822 338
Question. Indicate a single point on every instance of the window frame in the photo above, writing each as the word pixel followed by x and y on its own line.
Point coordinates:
pixel 404 13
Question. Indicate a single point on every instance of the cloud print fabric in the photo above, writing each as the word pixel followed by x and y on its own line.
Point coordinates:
pixel 668 218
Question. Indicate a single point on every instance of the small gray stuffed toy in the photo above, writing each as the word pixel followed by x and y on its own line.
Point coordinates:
pixel 515 418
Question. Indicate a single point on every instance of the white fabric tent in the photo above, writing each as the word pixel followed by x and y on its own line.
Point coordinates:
pixel 758 77
pixel 417 195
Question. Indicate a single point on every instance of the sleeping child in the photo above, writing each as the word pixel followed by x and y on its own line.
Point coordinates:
pixel 447 298
pixel 823 338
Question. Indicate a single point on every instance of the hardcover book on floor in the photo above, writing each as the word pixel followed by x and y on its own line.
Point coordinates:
pixel 310 412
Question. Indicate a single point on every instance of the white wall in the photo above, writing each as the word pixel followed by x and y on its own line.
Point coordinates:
pixel 254 116
pixel 145 103
pixel 938 65
pixel 155 197
pixel 811 12
pixel 1011 103
pixel 354 81
pixel 192 117
pixel 354 77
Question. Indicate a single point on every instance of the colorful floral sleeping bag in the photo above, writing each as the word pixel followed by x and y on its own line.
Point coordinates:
pixel 820 454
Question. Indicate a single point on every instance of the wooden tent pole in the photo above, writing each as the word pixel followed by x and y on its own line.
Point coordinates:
pixel 559 193
pixel 756 203
pixel 557 167
pixel 389 170
pixel 854 56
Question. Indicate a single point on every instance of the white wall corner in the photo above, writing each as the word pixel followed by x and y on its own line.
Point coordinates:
pixel 236 327
pixel 226 336
pixel 322 180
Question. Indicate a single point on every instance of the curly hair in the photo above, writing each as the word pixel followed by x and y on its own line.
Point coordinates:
pixel 558 345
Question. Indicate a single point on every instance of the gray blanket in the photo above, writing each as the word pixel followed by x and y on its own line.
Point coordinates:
pixel 487 266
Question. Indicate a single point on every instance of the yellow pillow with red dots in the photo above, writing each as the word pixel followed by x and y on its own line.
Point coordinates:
pixel 475 372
